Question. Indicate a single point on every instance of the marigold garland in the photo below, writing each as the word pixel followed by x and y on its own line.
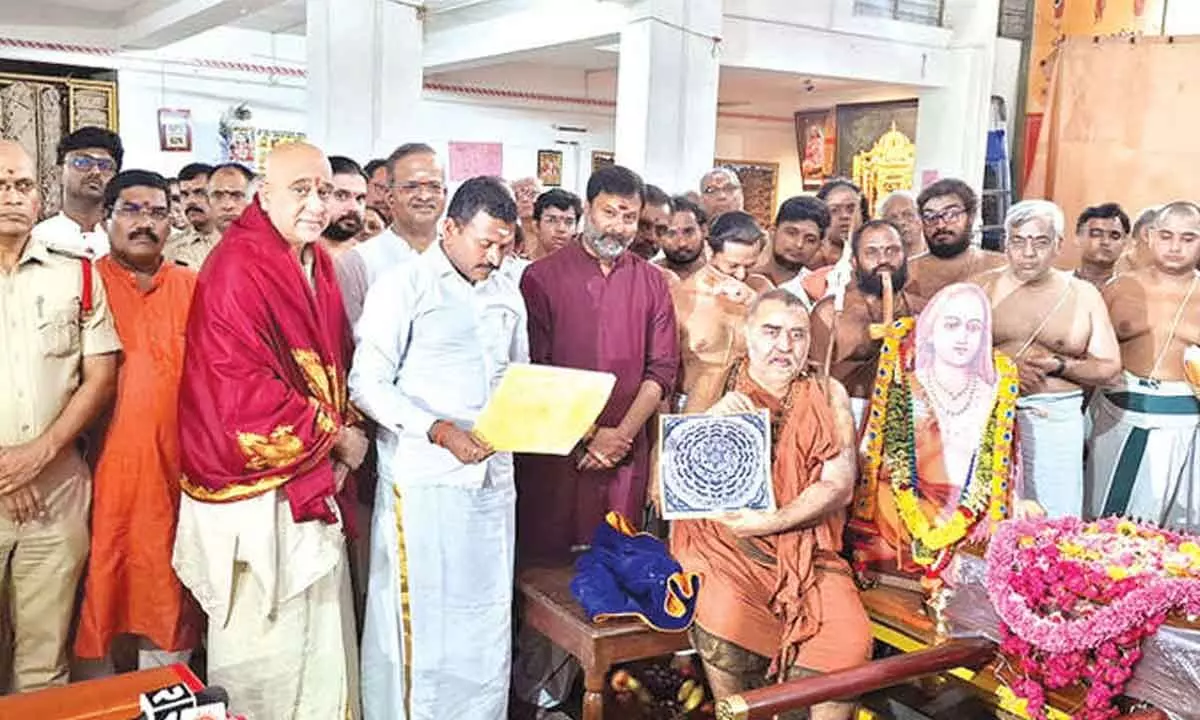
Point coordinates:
pixel 891 441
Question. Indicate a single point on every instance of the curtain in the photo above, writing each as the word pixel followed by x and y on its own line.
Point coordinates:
pixel 1120 126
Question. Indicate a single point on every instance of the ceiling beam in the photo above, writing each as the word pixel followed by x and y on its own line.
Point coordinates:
pixel 150 25
pixel 461 39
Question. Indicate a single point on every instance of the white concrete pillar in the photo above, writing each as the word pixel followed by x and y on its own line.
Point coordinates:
pixel 666 127
pixel 364 75
pixel 953 120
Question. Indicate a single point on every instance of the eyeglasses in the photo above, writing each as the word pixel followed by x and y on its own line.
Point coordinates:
pixel 87 163
pixel 432 187
pixel 132 211
pixel 721 189
pixel 949 215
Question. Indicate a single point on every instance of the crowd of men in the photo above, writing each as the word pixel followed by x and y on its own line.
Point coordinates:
pixel 195 370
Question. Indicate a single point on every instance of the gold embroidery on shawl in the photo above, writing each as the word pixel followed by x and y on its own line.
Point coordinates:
pixel 277 450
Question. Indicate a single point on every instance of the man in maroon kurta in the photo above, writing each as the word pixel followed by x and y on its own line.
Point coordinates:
pixel 594 306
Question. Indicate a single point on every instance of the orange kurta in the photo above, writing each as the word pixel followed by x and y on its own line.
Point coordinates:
pixel 131 587
pixel 787 594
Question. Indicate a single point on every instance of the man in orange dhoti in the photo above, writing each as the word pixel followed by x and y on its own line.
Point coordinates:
pixel 130 587
pixel 776 595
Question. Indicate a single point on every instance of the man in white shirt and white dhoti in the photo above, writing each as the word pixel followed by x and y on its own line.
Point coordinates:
pixel 436 335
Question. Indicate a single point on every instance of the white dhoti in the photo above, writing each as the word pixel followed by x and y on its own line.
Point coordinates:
pixel 281 635
pixel 1052 437
pixel 437 643
pixel 1143 456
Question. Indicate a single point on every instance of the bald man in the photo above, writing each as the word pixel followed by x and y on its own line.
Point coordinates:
pixel 267 445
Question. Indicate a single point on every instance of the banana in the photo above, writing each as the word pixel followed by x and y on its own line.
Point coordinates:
pixel 695 699
pixel 685 690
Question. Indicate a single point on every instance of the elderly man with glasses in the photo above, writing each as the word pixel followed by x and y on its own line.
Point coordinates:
pixel 418 198
pixel 721 192
pixel 947 210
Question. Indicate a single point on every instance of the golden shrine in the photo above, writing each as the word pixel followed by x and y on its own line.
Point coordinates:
pixel 887 166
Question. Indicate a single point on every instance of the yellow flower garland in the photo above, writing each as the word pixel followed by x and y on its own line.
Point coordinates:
pixel 992 495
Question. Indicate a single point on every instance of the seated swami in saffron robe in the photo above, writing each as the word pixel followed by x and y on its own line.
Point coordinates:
pixel 266 446
pixel 774 592
pixel 940 463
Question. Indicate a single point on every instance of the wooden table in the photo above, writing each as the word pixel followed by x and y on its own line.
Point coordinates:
pixel 113 698
pixel 549 608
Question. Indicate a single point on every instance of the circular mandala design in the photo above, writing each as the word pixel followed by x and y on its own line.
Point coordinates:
pixel 716 464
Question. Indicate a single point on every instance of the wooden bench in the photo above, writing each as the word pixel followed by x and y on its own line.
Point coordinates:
pixel 548 607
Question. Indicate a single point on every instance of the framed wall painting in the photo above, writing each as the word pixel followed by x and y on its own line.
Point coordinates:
pixel 816 143
pixel 860 126
pixel 174 130
pixel 602 158
pixel 550 166
pixel 760 181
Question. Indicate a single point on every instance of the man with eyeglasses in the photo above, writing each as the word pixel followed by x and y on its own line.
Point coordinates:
pixel 1102 233
pixel 556 214
pixel 876 249
pixel 721 191
pixel 59 372
pixel 1057 330
pixel 1144 458
pixel 683 246
pixel 88 157
pixel 267 441
pixel 947 209
pixel 191 247
pixel 900 209
pixel 526 191
pixel 347 206
pixel 418 197
pixel 652 225
pixel 131 588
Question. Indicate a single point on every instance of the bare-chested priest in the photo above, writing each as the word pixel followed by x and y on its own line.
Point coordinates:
pixel 1056 328
pixel 711 305
pixel 877 249
pixel 948 209
pixel 1143 460
pixel 1102 233
pixel 683 247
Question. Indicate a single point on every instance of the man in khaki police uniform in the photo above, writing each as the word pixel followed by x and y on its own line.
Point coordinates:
pixel 191 247
pixel 58 371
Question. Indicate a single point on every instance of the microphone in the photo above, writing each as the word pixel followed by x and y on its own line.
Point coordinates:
pixel 178 702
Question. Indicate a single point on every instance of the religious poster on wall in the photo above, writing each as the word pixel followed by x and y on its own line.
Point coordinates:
pixel 550 166
pixel 759 182
pixel 240 145
pixel 174 130
pixel 816 141
pixel 264 140
pixel 601 158
pixel 472 159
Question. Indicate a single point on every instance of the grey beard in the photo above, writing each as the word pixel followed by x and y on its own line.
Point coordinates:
pixel 605 245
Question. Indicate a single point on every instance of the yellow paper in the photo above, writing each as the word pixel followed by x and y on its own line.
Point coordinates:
pixel 542 409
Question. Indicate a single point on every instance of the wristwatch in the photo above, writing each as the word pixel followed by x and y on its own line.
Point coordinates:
pixel 1062 367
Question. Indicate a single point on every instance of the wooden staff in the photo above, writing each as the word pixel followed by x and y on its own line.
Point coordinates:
pixel 837 281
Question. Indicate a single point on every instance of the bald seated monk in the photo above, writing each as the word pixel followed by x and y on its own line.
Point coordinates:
pixel 775 591
pixel 947 210
pixel 710 307
pixel 267 443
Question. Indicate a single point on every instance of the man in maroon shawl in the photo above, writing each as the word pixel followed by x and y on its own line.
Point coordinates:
pixel 594 306
pixel 266 444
